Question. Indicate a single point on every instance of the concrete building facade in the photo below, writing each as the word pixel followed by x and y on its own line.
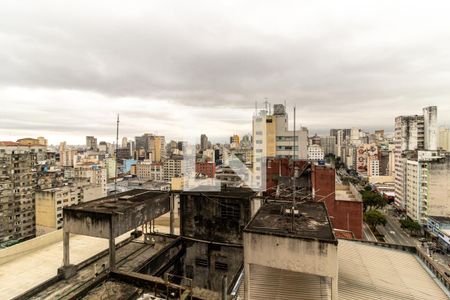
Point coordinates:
pixel 17 195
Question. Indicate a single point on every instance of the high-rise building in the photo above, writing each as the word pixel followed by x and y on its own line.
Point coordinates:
pixel 430 128
pixel 203 142
pixel 49 205
pixel 328 144
pixel 427 185
pixel 271 138
pixel 367 158
pixel 173 168
pixel 157 148
pixel 17 193
pixel 124 142
pixel 91 143
pixel 409 136
pixel 444 138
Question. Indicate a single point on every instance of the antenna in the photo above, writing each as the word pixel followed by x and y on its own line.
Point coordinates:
pixel 293 179
pixel 117 148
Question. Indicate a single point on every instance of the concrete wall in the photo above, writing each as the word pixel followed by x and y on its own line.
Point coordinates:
pixel 45 209
pixel 87 223
pixel 210 277
pixel 294 254
pixel 211 218
pixel 15 251
pixel 96 224
pixel 439 188
pixel 381 179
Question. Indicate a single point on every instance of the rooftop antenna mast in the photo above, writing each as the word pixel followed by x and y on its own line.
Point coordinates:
pixel 293 178
pixel 117 148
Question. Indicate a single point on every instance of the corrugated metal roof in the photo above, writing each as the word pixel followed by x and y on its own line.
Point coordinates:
pixel 276 284
pixel 365 272
pixel 372 272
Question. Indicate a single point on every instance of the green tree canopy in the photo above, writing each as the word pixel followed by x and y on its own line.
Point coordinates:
pixel 374 218
pixel 372 199
pixel 410 225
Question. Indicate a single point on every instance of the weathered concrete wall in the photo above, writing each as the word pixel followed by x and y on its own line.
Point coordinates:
pixel 439 188
pixel 94 223
pixel 87 223
pixel 214 218
pixel 220 260
pixel 141 214
pixel 15 251
pixel 294 254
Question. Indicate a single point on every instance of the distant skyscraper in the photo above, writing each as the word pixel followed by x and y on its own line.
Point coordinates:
pixel 124 142
pixel 18 183
pixel 203 142
pixel 409 135
pixel 430 127
pixel 91 143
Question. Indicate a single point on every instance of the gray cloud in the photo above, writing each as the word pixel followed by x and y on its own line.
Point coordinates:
pixel 359 65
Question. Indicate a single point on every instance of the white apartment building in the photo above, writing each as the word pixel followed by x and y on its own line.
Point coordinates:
pixel 373 168
pixel 315 153
pixel 271 138
pixel 409 135
pixel 412 133
pixel 427 185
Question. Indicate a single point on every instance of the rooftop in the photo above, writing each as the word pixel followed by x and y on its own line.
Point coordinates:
pixel 311 223
pixel 225 193
pixel 118 203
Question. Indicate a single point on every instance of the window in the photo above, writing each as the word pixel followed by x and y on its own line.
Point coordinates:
pixel 221 266
pixel 230 209
pixel 201 262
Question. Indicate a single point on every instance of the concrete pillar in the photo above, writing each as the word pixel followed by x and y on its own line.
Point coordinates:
pixel 172 213
pixel 66 247
pixel 334 288
pixel 247 281
pixel 112 247
pixel 224 287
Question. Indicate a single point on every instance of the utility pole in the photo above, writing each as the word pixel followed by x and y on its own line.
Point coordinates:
pixel 117 148
pixel 293 179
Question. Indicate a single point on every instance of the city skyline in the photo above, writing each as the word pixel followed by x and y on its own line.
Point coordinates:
pixel 69 74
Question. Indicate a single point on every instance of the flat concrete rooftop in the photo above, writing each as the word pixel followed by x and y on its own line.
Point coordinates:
pixel 118 203
pixel 224 193
pixel 312 222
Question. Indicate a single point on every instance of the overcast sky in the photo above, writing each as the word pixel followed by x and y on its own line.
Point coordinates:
pixel 182 68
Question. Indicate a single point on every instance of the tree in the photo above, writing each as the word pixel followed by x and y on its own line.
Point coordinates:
pixel 374 218
pixel 410 225
pixel 372 199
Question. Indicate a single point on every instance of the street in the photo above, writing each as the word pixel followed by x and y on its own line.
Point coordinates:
pixel 393 233
pixel 368 234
